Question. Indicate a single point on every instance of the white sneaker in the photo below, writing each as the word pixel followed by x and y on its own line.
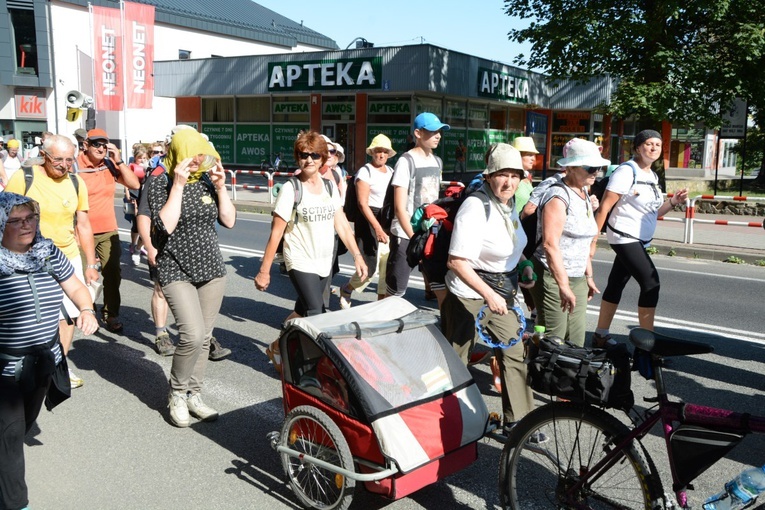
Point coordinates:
pixel 136 258
pixel 179 409
pixel 199 409
pixel 74 381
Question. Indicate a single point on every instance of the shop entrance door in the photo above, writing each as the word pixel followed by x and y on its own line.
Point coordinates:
pixel 342 133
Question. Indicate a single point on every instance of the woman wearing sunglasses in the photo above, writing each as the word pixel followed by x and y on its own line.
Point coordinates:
pixel 566 228
pixel 307 213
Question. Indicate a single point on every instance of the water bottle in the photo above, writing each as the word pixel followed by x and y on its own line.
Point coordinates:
pixel 739 492
pixel 539 333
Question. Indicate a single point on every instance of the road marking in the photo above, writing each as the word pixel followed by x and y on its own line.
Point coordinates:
pixel 695 273
pixel 698 327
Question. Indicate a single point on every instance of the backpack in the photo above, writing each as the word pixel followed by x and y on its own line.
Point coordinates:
pixel 29 177
pixel 431 246
pixel 599 189
pixel 530 224
pixel 351 206
pixel 388 209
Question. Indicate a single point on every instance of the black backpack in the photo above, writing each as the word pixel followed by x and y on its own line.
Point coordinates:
pixel 351 207
pixel 529 224
pixel 441 233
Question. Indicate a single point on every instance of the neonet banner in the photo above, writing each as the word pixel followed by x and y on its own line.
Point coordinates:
pixel 115 77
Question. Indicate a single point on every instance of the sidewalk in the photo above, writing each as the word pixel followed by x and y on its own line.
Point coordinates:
pixel 710 242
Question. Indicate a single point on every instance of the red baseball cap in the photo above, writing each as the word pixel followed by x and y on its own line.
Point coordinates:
pixel 98 134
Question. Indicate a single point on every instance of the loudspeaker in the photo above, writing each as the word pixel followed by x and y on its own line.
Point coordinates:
pixel 75 99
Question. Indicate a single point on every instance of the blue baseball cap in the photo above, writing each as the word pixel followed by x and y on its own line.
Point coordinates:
pixel 430 122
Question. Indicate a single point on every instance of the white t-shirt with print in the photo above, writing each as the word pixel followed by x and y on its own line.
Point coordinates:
pixel 309 237
pixel 487 245
pixel 378 183
pixel 637 210
pixel 427 184
pixel 578 230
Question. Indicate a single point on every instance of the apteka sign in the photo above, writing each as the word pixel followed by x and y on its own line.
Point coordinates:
pixel 503 86
pixel 342 74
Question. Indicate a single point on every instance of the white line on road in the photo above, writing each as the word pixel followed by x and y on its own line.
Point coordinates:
pixel 695 273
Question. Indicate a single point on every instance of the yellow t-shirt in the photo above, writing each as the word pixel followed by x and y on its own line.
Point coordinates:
pixel 58 205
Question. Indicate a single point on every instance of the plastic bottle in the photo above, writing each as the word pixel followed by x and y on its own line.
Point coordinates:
pixel 739 492
pixel 539 333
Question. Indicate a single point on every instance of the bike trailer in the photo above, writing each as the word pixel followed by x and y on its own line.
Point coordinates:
pixel 403 401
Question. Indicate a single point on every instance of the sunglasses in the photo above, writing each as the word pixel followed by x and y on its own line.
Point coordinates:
pixel 592 169
pixel 97 145
pixel 332 152
pixel 156 153
pixel 313 155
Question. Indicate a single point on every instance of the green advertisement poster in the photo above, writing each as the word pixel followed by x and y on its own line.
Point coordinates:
pixel 478 142
pixel 253 144
pixel 447 149
pixel 397 135
pixel 283 141
pixel 498 136
pixel 222 137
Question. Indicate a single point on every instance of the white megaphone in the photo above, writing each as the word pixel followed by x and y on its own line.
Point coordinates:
pixel 75 99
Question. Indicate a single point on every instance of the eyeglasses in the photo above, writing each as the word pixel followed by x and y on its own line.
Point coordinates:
pixel 156 153
pixel 29 220
pixel 97 145
pixel 313 155
pixel 592 169
pixel 58 161
pixel 332 152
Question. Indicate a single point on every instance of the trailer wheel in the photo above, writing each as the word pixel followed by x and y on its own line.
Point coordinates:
pixel 310 431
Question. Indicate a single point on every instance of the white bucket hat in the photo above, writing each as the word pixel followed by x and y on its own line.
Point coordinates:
pixel 583 153
pixel 525 144
pixel 504 157
pixel 337 147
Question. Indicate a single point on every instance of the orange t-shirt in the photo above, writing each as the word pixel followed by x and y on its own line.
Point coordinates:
pixel 101 188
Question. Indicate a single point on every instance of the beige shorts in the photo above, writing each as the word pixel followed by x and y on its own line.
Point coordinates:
pixel 70 307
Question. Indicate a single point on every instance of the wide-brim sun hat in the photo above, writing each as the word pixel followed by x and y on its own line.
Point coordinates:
pixel 340 152
pixel 583 153
pixel 381 142
pixel 504 157
pixel 525 144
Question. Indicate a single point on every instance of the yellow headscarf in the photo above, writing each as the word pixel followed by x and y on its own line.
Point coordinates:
pixel 188 143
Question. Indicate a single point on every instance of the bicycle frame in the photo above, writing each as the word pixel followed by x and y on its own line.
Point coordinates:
pixel 669 413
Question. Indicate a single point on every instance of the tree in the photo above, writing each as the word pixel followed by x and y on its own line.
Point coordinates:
pixel 671 60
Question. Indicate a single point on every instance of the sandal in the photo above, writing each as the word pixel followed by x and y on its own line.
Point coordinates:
pixel 495 372
pixel 114 325
pixel 275 355
pixel 345 298
pixel 600 341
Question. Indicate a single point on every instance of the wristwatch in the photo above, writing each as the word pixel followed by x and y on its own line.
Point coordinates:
pixel 93 266
pixel 88 310
pixel 118 163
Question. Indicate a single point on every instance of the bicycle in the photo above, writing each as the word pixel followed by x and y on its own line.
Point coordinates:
pixel 591 460
pixel 274 163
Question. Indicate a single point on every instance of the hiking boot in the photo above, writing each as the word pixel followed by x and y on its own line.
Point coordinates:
pixel 217 351
pixel 199 409
pixel 179 409
pixel 164 344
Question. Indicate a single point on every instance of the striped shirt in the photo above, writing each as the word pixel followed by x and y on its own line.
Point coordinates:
pixel 19 327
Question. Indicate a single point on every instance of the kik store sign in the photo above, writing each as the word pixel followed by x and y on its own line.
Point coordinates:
pixel 341 74
pixel 502 86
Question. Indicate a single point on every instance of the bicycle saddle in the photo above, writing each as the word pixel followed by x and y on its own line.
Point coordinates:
pixel 663 345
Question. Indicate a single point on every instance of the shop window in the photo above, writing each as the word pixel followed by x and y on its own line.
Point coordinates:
pixel 291 109
pixel 686 149
pixel 253 109
pixel 428 104
pixel 24 37
pixel 338 108
pixel 389 110
pixel 218 109
pixel 516 121
pixel 498 118
pixel 455 114
pixel 597 123
pixel 478 117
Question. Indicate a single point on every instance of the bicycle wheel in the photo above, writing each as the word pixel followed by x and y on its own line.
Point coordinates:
pixel 536 471
pixel 311 432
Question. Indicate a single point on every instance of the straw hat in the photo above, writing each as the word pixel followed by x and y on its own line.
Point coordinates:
pixel 381 142
pixel 525 144
pixel 504 157
pixel 583 153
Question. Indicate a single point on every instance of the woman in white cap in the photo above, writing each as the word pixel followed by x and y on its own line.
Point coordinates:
pixel 634 198
pixel 371 184
pixel 485 257
pixel 566 228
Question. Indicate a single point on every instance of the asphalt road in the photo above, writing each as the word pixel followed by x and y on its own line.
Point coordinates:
pixel 111 446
